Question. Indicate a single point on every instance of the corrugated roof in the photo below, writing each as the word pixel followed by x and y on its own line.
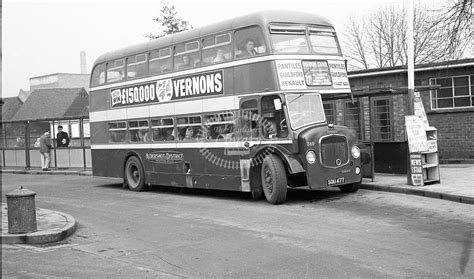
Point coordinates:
pixel 10 106
pixel 54 103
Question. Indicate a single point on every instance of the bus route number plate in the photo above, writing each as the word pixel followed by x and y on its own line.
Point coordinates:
pixel 335 181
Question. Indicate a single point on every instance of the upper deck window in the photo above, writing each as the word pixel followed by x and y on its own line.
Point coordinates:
pixel 136 66
pixel 323 41
pixel 115 70
pixel 217 49
pixel 187 55
pixel 289 38
pixel 98 75
pixel 161 61
pixel 249 42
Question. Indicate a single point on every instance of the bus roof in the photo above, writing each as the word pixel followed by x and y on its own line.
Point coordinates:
pixel 257 18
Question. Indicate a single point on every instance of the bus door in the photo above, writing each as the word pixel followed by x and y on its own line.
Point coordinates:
pixel 190 139
pixel 249 131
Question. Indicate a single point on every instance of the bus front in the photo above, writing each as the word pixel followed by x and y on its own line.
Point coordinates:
pixel 309 65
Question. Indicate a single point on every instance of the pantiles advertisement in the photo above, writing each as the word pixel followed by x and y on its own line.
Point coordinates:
pixel 297 74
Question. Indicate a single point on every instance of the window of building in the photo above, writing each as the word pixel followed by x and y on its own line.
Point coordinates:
pixel 455 92
pixel 161 61
pixel 98 75
pixel 117 132
pixel 249 42
pixel 163 129
pixel 138 131
pixel 382 120
pixel 115 70
pixel 187 56
pixel 217 49
pixel 330 112
pixel 352 117
pixel 189 128
pixel 136 66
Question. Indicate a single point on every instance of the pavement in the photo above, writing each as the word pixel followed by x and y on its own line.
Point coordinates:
pixel 456 184
pixel 52 226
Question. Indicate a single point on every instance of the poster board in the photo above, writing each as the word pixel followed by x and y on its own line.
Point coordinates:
pixel 416 134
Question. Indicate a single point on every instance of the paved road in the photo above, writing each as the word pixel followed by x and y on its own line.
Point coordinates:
pixel 169 232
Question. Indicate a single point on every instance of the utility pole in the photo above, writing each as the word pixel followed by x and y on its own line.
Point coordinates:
pixel 411 59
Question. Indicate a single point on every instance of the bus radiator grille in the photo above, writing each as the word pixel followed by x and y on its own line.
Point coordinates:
pixel 334 151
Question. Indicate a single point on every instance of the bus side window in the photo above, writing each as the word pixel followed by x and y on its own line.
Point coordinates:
pixel 189 128
pixel 217 49
pixel 138 131
pixel 220 125
pixel 187 55
pixel 163 129
pixel 136 66
pixel 249 42
pixel 160 61
pixel 115 70
pixel 98 75
pixel 117 132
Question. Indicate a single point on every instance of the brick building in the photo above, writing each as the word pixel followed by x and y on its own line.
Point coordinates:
pixel 381 102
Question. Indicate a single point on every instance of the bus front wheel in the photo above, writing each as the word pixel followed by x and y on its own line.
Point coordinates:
pixel 350 188
pixel 274 182
pixel 134 175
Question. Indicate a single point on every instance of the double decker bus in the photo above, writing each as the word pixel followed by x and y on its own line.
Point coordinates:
pixel 236 105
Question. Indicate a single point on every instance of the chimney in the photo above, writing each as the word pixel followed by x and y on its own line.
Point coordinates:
pixel 83 62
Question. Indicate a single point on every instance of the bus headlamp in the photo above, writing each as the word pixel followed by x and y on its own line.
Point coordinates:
pixel 311 157
pixel 355 151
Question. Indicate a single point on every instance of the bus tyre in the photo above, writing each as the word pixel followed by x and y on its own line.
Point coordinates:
pixel 350 188
pixel 274 182
pixel 134 175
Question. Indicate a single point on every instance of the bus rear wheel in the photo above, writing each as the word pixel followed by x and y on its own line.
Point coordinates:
pixel 350 188
pixel 134 176
pixel 274 182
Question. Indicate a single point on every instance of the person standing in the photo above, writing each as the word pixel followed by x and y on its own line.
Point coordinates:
pixel 62 138
pixel 45 147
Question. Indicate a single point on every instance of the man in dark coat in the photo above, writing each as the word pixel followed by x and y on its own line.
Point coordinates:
pixel 62 138
pixel 45 147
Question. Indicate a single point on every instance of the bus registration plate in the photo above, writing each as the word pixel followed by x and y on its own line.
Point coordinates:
pixel 335 181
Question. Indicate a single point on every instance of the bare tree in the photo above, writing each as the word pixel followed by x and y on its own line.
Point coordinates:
pixel 439 35
pixel 357 53
pixel 456 20
pixel 170 22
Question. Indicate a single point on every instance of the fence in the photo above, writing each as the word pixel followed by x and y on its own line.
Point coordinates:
pixel 20 148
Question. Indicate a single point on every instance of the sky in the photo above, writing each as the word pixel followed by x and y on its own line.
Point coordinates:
pixel 41 37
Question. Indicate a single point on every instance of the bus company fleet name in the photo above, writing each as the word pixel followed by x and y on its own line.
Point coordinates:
pixel 168 89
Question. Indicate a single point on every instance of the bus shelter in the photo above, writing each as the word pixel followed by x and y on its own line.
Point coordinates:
pixel 20 143
pixel 45 110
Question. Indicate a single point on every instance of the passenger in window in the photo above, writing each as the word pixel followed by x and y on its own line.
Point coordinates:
pixel 169 135
pixel 143 135
pixel 165 68
pixel 185 64
pixel 249 49
pixel 189 133
pixel 219 56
